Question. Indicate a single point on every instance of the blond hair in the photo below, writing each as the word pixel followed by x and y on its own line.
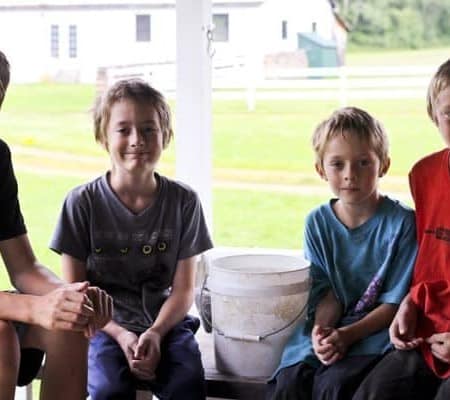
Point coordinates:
pixel 136 90
pixel 4 76
pixel 439 82
pixel 352 121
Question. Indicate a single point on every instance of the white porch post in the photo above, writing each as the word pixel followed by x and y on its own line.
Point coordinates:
pixel 193 100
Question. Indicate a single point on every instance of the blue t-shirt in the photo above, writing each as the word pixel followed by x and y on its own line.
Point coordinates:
pixel 365 267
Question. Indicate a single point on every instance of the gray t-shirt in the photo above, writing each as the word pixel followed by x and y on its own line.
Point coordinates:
pixel 132 256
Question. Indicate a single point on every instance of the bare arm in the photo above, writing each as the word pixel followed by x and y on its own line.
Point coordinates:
pixel 180 300
pixel 148 349
pixel 379 318
pixel 47 302
pixel 25 272
pixel 328 311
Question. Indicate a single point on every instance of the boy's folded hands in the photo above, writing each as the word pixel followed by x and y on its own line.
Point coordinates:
pixel 143 353
pixel 329 344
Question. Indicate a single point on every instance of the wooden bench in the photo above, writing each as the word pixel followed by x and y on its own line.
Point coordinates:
pixel 226 386
pixel 218 385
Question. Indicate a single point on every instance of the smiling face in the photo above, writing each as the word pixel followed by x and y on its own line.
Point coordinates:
pixel 442 114
pixel 134 138
pixel 352 169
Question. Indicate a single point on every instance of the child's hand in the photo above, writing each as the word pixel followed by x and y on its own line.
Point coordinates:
pixel 103 308
pixel 340 340
pixel 440 346
pixel 325 352
pixel 66 308
pixel 403 326
pixel 128 341
pixel 147 355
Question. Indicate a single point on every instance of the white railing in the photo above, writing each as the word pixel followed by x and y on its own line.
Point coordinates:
pixel 235 79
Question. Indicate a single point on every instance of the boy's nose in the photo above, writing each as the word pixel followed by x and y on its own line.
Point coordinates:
pixel 349 173
pixel 137 139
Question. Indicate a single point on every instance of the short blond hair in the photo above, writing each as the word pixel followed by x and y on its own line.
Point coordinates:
pixel 136 90
pixel 439 82
pixel 4 76
pixel 352 121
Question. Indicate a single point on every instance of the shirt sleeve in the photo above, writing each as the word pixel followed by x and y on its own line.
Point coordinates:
pixel 313 250
pixel 72 234
pixel 404 251
pixel 195 237
pixel 11 219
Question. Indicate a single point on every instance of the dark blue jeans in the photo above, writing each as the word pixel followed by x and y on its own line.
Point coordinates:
pixel 179 376
pixel 336 382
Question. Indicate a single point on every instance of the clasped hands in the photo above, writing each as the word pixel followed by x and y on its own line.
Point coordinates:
pixel 143 353
pixel 75 307
pixel 329 344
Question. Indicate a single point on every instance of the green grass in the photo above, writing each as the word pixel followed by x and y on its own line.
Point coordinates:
pixel 270 145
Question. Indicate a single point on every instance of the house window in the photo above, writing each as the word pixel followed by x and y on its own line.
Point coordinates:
pixel 72 41
pixel 220 33
pixel 284 31
pixel 143 28
pixel 54 41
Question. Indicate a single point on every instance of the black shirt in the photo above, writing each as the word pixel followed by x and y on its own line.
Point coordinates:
pixel 11 219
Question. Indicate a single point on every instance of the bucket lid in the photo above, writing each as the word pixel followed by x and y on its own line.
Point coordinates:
pixel 259 263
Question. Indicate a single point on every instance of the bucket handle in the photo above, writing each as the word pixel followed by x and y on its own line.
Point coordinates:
pixel 244 337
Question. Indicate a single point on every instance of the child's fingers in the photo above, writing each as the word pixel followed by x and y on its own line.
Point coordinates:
pixel 325 348
pixel 331 360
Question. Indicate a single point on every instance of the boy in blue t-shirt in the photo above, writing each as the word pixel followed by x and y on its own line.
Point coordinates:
pixel 362 248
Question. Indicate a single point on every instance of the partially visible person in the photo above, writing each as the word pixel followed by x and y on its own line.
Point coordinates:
pixel 136 234
pixel 45 315
pixel 361 246
pixel 420 367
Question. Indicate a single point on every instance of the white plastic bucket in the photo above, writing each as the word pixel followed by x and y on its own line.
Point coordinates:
pixel 256 301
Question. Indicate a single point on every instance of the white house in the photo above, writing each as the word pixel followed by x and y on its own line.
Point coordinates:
pixel 68 40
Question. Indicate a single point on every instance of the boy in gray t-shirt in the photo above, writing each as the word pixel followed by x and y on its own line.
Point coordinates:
pixel 136 234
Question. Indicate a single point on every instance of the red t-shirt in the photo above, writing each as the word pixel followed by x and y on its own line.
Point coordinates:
pixel 430 187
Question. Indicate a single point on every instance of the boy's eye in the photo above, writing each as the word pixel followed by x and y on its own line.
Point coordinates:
pixel 148 130
pixel 364 163
pixel 122 131
pixel 336 164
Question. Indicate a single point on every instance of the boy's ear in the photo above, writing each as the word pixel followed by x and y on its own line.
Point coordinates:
pixel 384 169
pixel 320 171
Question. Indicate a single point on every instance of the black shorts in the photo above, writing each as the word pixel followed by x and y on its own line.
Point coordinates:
pixel 30 359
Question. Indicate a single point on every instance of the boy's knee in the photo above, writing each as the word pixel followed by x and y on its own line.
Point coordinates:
pixel 6 328
pixel 8 335
pixel 10 354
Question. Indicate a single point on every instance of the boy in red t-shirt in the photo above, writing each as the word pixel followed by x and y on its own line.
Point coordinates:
pixel 420 367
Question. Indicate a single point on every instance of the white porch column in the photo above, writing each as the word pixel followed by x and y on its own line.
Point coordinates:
pixel 193 100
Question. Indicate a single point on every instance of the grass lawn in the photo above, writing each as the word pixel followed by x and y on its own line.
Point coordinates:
pixel 270 145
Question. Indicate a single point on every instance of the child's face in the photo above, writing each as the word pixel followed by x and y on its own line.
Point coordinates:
pixel 442 110
pixel 134 138
pixel 352 170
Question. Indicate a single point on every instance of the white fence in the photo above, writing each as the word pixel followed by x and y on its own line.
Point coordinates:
pixel 235 79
